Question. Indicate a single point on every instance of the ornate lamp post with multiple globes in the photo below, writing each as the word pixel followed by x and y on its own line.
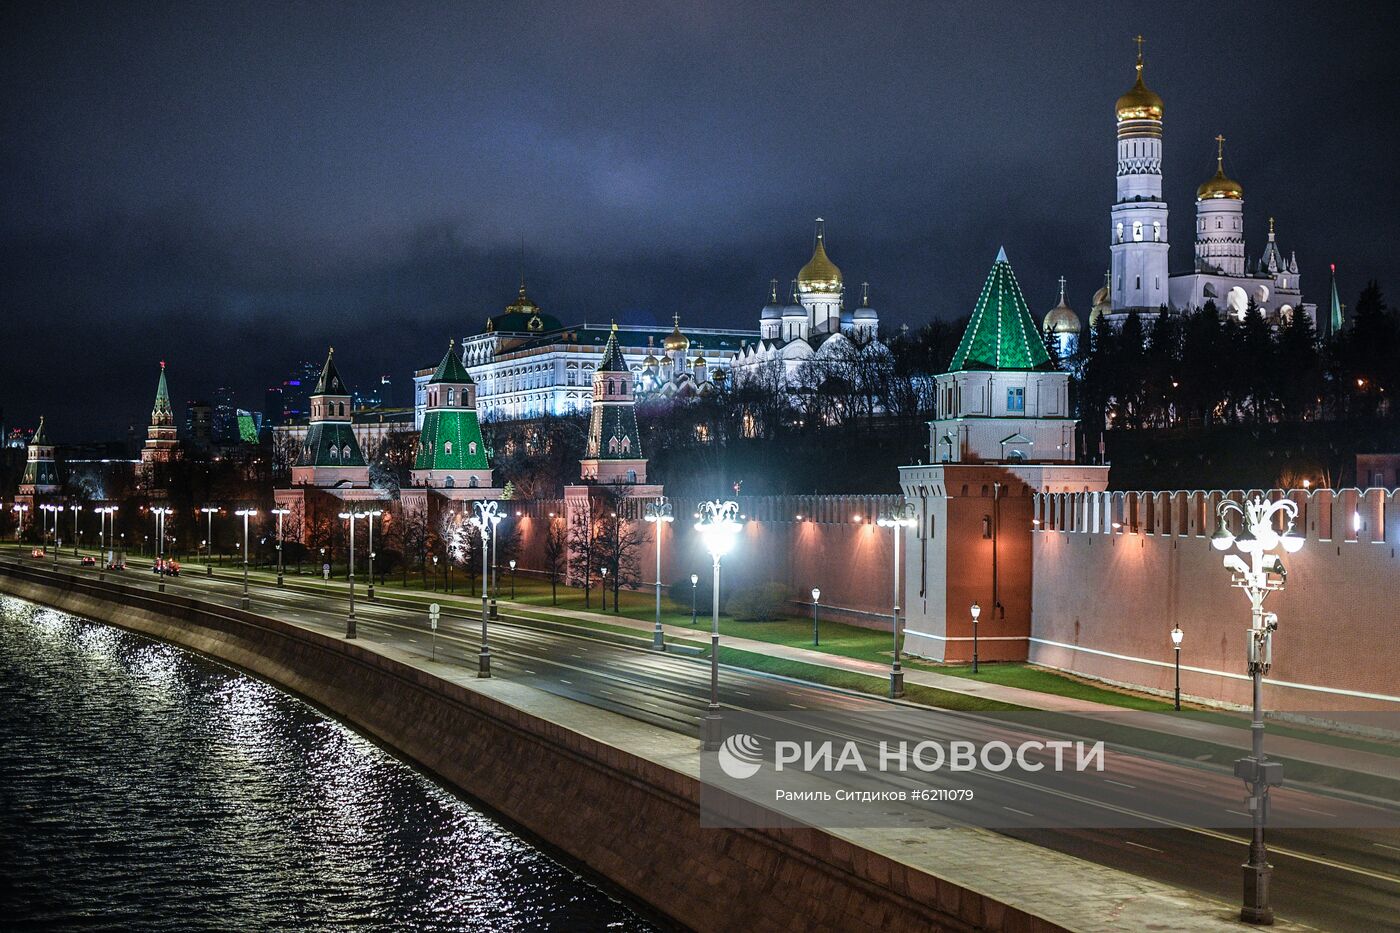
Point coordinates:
pixel 719 527
pixel 1264 573
pixel 485 520
pixel 897 520
pixel 659 513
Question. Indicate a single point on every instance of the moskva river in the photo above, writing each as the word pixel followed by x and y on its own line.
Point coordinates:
pixel 146 788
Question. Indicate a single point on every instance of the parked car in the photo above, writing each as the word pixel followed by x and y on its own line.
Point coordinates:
pixel 166 567
pixel 89 560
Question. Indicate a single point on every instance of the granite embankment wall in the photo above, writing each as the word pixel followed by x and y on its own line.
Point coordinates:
pixel 1115 571
pixel 632 818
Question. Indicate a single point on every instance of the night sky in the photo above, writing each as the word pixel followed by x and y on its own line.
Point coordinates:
pixel 231 187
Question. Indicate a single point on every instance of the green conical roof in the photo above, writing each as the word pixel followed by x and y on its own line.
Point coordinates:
pixel 1336 320
pixel 613 361
pixel 1001 334
pixel 330 382
pixel 160 412
pixel 451 368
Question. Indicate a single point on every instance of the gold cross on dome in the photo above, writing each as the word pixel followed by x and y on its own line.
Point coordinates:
pixel 1139 40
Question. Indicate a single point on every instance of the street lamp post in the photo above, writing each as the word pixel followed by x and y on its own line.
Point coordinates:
pixel 1176 644
pixel 160 512
pixel 209 511
pixel 246 514
pixel 1262 575
pixel 719 528
pixel 485 521
pixel 660 513
pixel 370 516
pixel 495 552
pixel 350 616
pixel 604 572
pixel 19 509
pixel 279 513
pixel 108 518
pixel 694 582
pixel 76 509
pixel 816 615
pixel 897 520
pixel 512 579
pixel 976 614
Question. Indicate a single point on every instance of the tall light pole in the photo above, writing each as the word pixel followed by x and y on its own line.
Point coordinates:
pixel 52 510
pixel 209 511
pixel 485 521
pixel 245 514
pixel 160 512
pixel 976 614
pixel 816 615
pixel 659 513
pixel 76 508
pixel 19 509
pixel 719 526
pixel 350 517
pixel 897 520
pixel 512 579
pixel 1176 645
pixel 279 513
pixel 694 583
pixel 370 516
pixel 106 514
pixel 495 551
pixel 1262 575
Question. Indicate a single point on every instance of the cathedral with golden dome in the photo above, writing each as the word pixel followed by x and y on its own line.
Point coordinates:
pixel 812 328
pixel 1221 272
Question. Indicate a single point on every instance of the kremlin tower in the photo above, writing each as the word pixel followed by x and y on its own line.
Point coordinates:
pixel 1139 216
pixel 160 434
pixel 451 453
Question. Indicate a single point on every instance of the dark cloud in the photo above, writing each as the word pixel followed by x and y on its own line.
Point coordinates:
pixel 232 187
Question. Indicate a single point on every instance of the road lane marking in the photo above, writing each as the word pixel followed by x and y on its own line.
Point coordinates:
pixel 1120 783
pixel 1237 813
pixel 1022 812
pixel 1384 846
pixel 1141 846
pixel 1318 812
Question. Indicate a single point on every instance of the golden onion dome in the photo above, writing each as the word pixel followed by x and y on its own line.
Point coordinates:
pixel 676 340
pixel 1061 319
pixel 1139 103
pixel 820 274
pixel 1220 185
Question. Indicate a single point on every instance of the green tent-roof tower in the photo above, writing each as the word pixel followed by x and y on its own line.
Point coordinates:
pixel 451 452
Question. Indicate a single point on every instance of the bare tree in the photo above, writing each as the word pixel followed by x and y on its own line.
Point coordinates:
pixel 583 548
pixel 556 556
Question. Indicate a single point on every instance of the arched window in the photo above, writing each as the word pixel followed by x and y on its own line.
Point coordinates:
pixel 1137 231
pixel 472 482
pixel 1156 231
pixel 1120 231
pixel 449 482
pixel 449 398
pixel 1218 223
pixel 334 452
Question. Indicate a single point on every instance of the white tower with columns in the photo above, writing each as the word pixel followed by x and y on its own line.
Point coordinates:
pixel 1138 229
pixel 1220 221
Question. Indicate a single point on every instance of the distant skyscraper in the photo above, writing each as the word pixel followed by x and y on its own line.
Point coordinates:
pixel 297 389
pixel 225 416
pixel 199 423
pixel 274 401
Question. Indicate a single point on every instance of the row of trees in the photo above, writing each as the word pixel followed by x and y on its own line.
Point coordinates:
pixel 1200 369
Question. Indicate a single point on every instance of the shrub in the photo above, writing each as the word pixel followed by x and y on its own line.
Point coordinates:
pixel 759 602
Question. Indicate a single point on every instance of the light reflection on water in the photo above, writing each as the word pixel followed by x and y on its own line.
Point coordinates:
pixel 143 787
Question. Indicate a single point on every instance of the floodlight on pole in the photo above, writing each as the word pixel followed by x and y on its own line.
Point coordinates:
pixel 279 513
pixel 245 514
pixel 719 527
pixel 659 513
pixel 897 519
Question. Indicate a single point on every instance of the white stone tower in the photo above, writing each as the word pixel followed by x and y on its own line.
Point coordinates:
pixel 1139 217
pixel 1220 221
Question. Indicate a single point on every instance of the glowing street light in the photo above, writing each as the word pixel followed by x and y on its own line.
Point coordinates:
pixel 1262 575
pixel 75 509
pixel 486 518
pixel 246 514
pixel 816 615
pixel 719 528
pixel 19 509
pixel 512 578
pixel 694 582
pixel 209 511
pixel 1177 635
pixel 104 536
pixel 351 517
pixel 976 614
pixel 370 516
pixel 279 513
pixel 160 512
pixel 897 520
pixel 660 514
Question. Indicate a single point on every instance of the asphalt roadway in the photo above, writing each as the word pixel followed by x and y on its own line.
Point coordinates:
pixel 1329 879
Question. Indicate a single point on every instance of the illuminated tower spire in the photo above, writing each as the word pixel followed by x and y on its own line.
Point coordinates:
pixel 1138 220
